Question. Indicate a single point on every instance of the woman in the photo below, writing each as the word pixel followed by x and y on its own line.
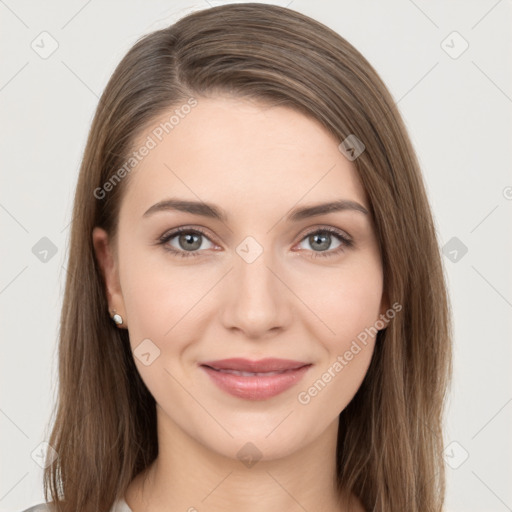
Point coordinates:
pixel 255 314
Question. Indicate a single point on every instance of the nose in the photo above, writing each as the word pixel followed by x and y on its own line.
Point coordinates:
pixel 255 299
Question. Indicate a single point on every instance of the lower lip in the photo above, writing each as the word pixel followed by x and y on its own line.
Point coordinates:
pixel 257 387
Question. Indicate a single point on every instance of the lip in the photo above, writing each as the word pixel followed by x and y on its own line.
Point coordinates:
pixel 270 364
pixel 230 375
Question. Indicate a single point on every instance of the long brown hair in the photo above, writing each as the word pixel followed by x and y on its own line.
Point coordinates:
pixel 390 438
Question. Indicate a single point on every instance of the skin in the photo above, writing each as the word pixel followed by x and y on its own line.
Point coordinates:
pixel 257 163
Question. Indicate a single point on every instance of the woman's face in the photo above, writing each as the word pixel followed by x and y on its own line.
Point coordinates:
pixel 257 280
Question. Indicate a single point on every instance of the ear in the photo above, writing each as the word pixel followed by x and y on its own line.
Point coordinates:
pixel 107 260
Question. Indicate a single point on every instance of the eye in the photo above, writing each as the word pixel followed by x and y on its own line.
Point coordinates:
pixel 189 241
pixel 322 239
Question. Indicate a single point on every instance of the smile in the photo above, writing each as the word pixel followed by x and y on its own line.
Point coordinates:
pixel 255 385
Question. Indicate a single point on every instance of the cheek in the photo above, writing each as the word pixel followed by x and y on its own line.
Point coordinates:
pixel 349 307
pixel 159 299
pixel 158 291
pixel 332 387
pixel 346 299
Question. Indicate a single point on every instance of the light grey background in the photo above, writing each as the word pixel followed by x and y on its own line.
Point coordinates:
pixel 458 112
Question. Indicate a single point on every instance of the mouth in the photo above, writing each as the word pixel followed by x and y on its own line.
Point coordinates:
pixel 255 380
pixel 249 374
pixel 268 365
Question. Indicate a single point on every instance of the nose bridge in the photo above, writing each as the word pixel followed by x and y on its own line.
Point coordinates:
pixel 255 282
pixel 258 302
pixel 251 267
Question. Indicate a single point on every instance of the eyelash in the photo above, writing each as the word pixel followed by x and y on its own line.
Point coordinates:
pixel 345 242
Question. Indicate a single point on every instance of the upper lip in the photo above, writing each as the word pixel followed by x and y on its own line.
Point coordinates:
pixel 261 366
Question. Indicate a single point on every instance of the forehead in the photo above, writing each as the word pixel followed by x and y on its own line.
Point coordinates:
pixel 228 150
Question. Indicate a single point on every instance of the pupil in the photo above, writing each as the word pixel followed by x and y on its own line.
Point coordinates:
pixel 189 244
pixel 324 244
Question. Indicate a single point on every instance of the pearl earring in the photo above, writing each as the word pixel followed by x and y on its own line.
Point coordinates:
pixel 118 319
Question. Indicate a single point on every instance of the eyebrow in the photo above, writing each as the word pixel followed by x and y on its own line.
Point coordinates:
pixel 215 212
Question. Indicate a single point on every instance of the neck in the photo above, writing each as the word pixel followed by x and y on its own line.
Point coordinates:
pixel 189 476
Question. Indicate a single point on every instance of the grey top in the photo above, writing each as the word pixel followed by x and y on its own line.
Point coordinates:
pixel 119 506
